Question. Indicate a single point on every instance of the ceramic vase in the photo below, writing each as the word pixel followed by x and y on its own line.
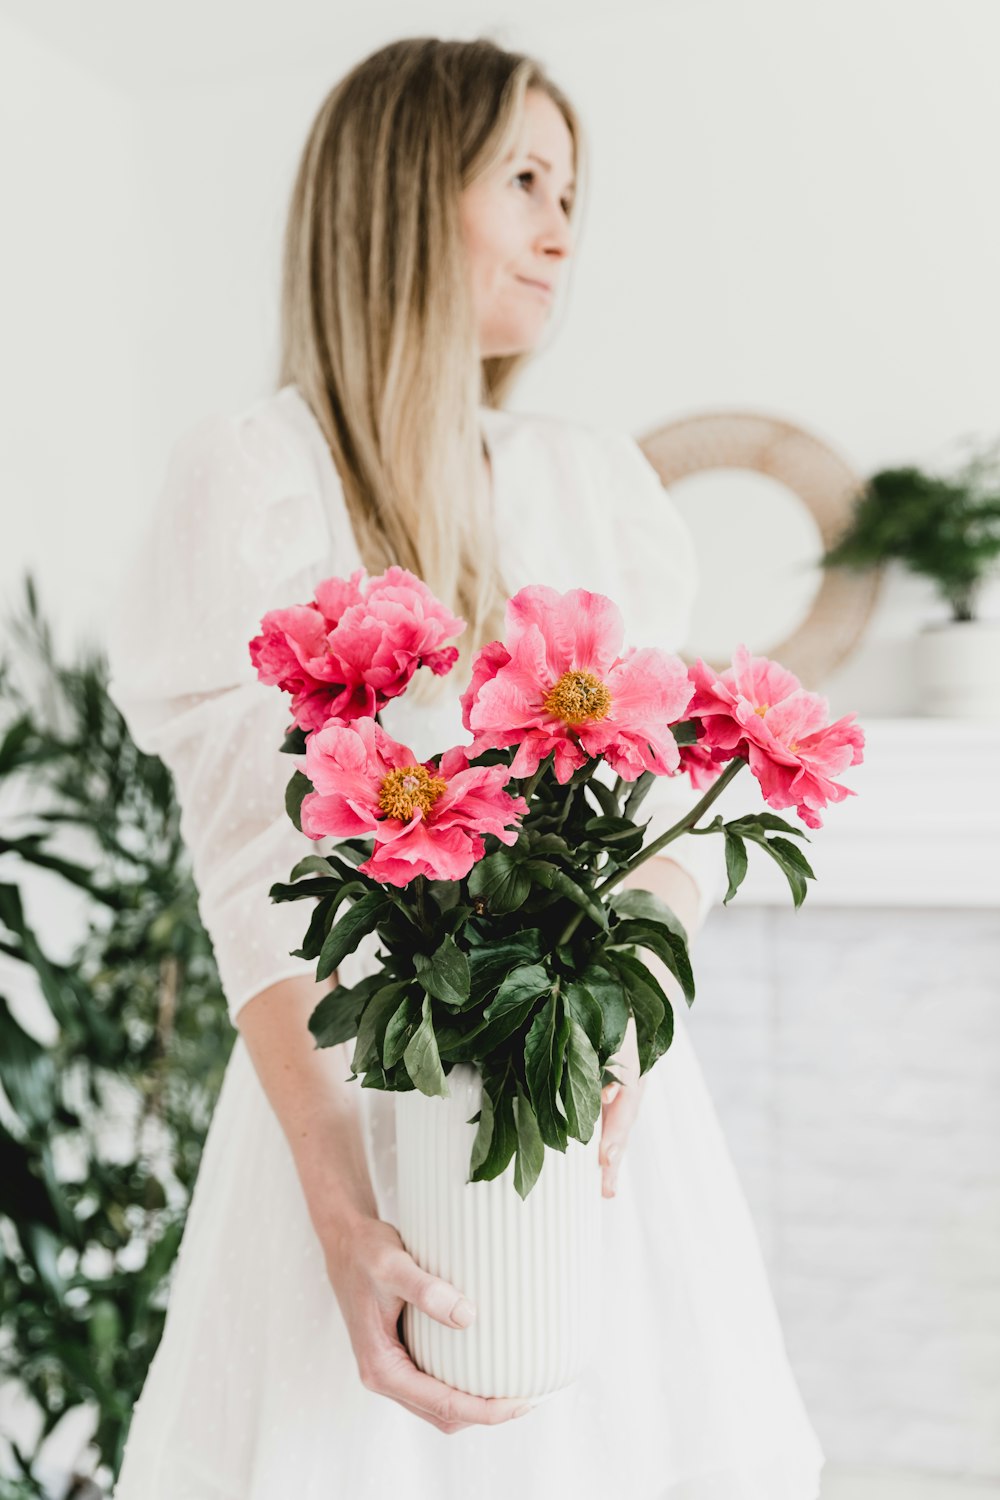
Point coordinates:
pixel 531 1267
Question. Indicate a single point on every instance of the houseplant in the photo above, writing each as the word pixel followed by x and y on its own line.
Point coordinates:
pixel 509 951
pixel 946 528
pixel 108 1076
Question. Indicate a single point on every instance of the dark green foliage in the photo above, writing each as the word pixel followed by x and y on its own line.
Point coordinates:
pixel 522 969
pixel 946 528
pixel 139 1039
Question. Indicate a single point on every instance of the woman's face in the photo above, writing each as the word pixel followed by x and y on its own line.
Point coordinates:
pixel 516 230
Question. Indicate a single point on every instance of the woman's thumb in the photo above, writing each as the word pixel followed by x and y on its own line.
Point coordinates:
pixel 432 1294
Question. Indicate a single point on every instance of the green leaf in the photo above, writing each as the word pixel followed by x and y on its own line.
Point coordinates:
pixel 304 890
pixel 444 974
pixel 604 797
pixel 636 796
pixel 489 964
pixel 355 851
pixel 790 860
pixel 581 1083
pixel 498 1106
pixel 685 732
pixel 670 948
pixel 583 1008
pixel 553 879
pixel 297 788
pixel 736 864
pixel 510 1007
pixel 543 1066
pixel 314 864
pixel 421 1058
pixel 342 939
pixel 530 1147
pixel 793 854
pixel 654 1017
pixel 605 985
pixel 633 901
pixel 27 1072
pixel 294 742
pixel 402 1024
pixel 319 926
pixel 484 1136
pixel 757 821
pixel 336 1017
pixel 501 881
pixel 375 1017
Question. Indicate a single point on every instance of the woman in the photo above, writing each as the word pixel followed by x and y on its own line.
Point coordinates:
pixel 430 225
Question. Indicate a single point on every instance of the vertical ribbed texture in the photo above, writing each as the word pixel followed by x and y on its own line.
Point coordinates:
pixel 531 1268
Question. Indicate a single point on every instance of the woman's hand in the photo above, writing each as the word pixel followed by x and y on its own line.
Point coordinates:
pixel 373 1275
pixel 619 1107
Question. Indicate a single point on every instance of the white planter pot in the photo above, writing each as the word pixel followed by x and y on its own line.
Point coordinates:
pixel 530 1267
pixel 958 670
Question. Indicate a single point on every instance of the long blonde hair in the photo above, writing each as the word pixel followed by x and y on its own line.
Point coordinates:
pixel 378 330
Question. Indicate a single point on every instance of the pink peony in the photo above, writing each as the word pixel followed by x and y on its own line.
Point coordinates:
pixel 558 683
pixel 701 765
pixel 760 711
pixel 427 818
pixel 353 648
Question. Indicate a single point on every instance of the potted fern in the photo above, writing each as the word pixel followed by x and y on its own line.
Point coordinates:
pixel 947 528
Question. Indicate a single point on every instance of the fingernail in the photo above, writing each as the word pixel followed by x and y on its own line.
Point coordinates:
pixel 463 1312
pixel 522 1411
pixel 610 1154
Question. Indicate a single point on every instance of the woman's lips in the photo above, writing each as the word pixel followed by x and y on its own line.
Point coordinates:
pixel 541 287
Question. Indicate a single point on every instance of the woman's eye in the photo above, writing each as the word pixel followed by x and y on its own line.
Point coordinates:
pixel 566 204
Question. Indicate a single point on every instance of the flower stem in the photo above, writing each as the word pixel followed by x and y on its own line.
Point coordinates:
pixel 540 771
pixel 681 826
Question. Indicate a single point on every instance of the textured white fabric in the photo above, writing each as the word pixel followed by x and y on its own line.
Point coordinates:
pixel 254 1392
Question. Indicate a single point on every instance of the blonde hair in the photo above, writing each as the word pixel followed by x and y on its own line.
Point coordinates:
pixel 378 329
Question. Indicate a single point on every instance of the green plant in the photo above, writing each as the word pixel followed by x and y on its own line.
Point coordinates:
pixel 944 527
pixel 102 1123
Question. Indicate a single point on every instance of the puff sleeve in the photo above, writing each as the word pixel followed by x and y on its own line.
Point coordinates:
pixel 659 573
pixel 239 527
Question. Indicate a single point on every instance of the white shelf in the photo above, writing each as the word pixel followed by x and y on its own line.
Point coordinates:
pixel 923 829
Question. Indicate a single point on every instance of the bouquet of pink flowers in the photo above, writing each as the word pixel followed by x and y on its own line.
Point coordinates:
pixel 489 872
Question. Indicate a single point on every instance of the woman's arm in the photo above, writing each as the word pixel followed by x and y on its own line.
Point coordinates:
pixel 315 1102
pixel 371 1272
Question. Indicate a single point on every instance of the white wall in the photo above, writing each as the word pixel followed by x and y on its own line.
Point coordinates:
pixel 789 211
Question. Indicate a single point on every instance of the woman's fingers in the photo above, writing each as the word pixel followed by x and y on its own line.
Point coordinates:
pixel 432 1294
pixel 394 1374
pixel 619 1107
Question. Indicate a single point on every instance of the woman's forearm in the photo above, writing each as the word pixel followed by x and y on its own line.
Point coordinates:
pixel 316 1104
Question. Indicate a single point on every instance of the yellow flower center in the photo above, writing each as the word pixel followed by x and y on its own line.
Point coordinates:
pixel 407 788
pixel 578 696
pixel 762 709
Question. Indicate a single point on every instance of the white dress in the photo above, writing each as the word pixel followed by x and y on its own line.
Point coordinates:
pixel 254 1392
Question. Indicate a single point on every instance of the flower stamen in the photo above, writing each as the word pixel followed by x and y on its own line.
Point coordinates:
pixel 407 788
pixel 578 696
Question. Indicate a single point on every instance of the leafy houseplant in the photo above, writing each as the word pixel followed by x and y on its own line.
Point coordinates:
pixel 508 948
pixel 104 1120
pixel 946 528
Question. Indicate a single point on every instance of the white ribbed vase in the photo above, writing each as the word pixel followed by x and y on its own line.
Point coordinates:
pixel 530 1267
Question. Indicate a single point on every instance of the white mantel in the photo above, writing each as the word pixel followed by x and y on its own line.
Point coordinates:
pixel 923 829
